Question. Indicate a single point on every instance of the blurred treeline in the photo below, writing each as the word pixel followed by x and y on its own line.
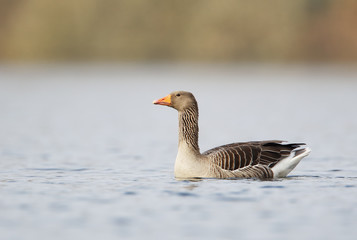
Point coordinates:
pixel 183 30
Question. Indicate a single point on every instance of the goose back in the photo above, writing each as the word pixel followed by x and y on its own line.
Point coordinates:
pixel 240 155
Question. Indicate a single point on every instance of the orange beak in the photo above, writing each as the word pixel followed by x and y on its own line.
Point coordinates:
pixel 166 101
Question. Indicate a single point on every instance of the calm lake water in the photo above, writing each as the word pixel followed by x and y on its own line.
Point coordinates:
pixel 84 154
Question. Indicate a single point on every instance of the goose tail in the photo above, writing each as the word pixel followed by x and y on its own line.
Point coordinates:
pixel 286 165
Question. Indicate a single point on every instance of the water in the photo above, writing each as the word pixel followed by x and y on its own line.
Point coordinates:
pixel 85 155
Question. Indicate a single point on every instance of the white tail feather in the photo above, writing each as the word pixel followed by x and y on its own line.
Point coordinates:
pixel 286 165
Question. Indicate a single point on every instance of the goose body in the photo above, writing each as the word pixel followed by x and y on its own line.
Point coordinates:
pixel 258 159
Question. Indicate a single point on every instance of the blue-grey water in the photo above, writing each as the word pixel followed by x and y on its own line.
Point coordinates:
pixel 85 155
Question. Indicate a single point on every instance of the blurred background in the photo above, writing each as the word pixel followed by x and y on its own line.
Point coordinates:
pixel 84 154
pixel 178 30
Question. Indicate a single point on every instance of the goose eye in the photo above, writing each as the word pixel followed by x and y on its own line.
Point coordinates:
pixel 177 95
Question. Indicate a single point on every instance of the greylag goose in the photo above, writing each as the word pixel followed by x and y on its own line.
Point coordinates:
pixel 258 159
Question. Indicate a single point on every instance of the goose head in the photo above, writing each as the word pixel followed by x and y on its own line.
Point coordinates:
pixel 179 100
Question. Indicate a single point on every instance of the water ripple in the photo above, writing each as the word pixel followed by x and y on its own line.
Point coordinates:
pixel 270 186
pixel 181 194
pixel 59 169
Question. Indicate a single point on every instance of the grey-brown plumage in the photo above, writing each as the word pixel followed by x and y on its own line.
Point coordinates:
pixel 258 159
pixel 252 159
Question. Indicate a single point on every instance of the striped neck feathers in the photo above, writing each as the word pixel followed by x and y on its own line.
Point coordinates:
pixel 188 127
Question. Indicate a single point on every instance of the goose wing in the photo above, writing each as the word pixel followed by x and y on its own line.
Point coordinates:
pixel 239 155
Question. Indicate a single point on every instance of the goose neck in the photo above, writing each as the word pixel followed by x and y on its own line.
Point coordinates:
pixel 188 128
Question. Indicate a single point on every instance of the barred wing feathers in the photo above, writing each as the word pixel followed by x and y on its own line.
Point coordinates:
pixel 240 155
